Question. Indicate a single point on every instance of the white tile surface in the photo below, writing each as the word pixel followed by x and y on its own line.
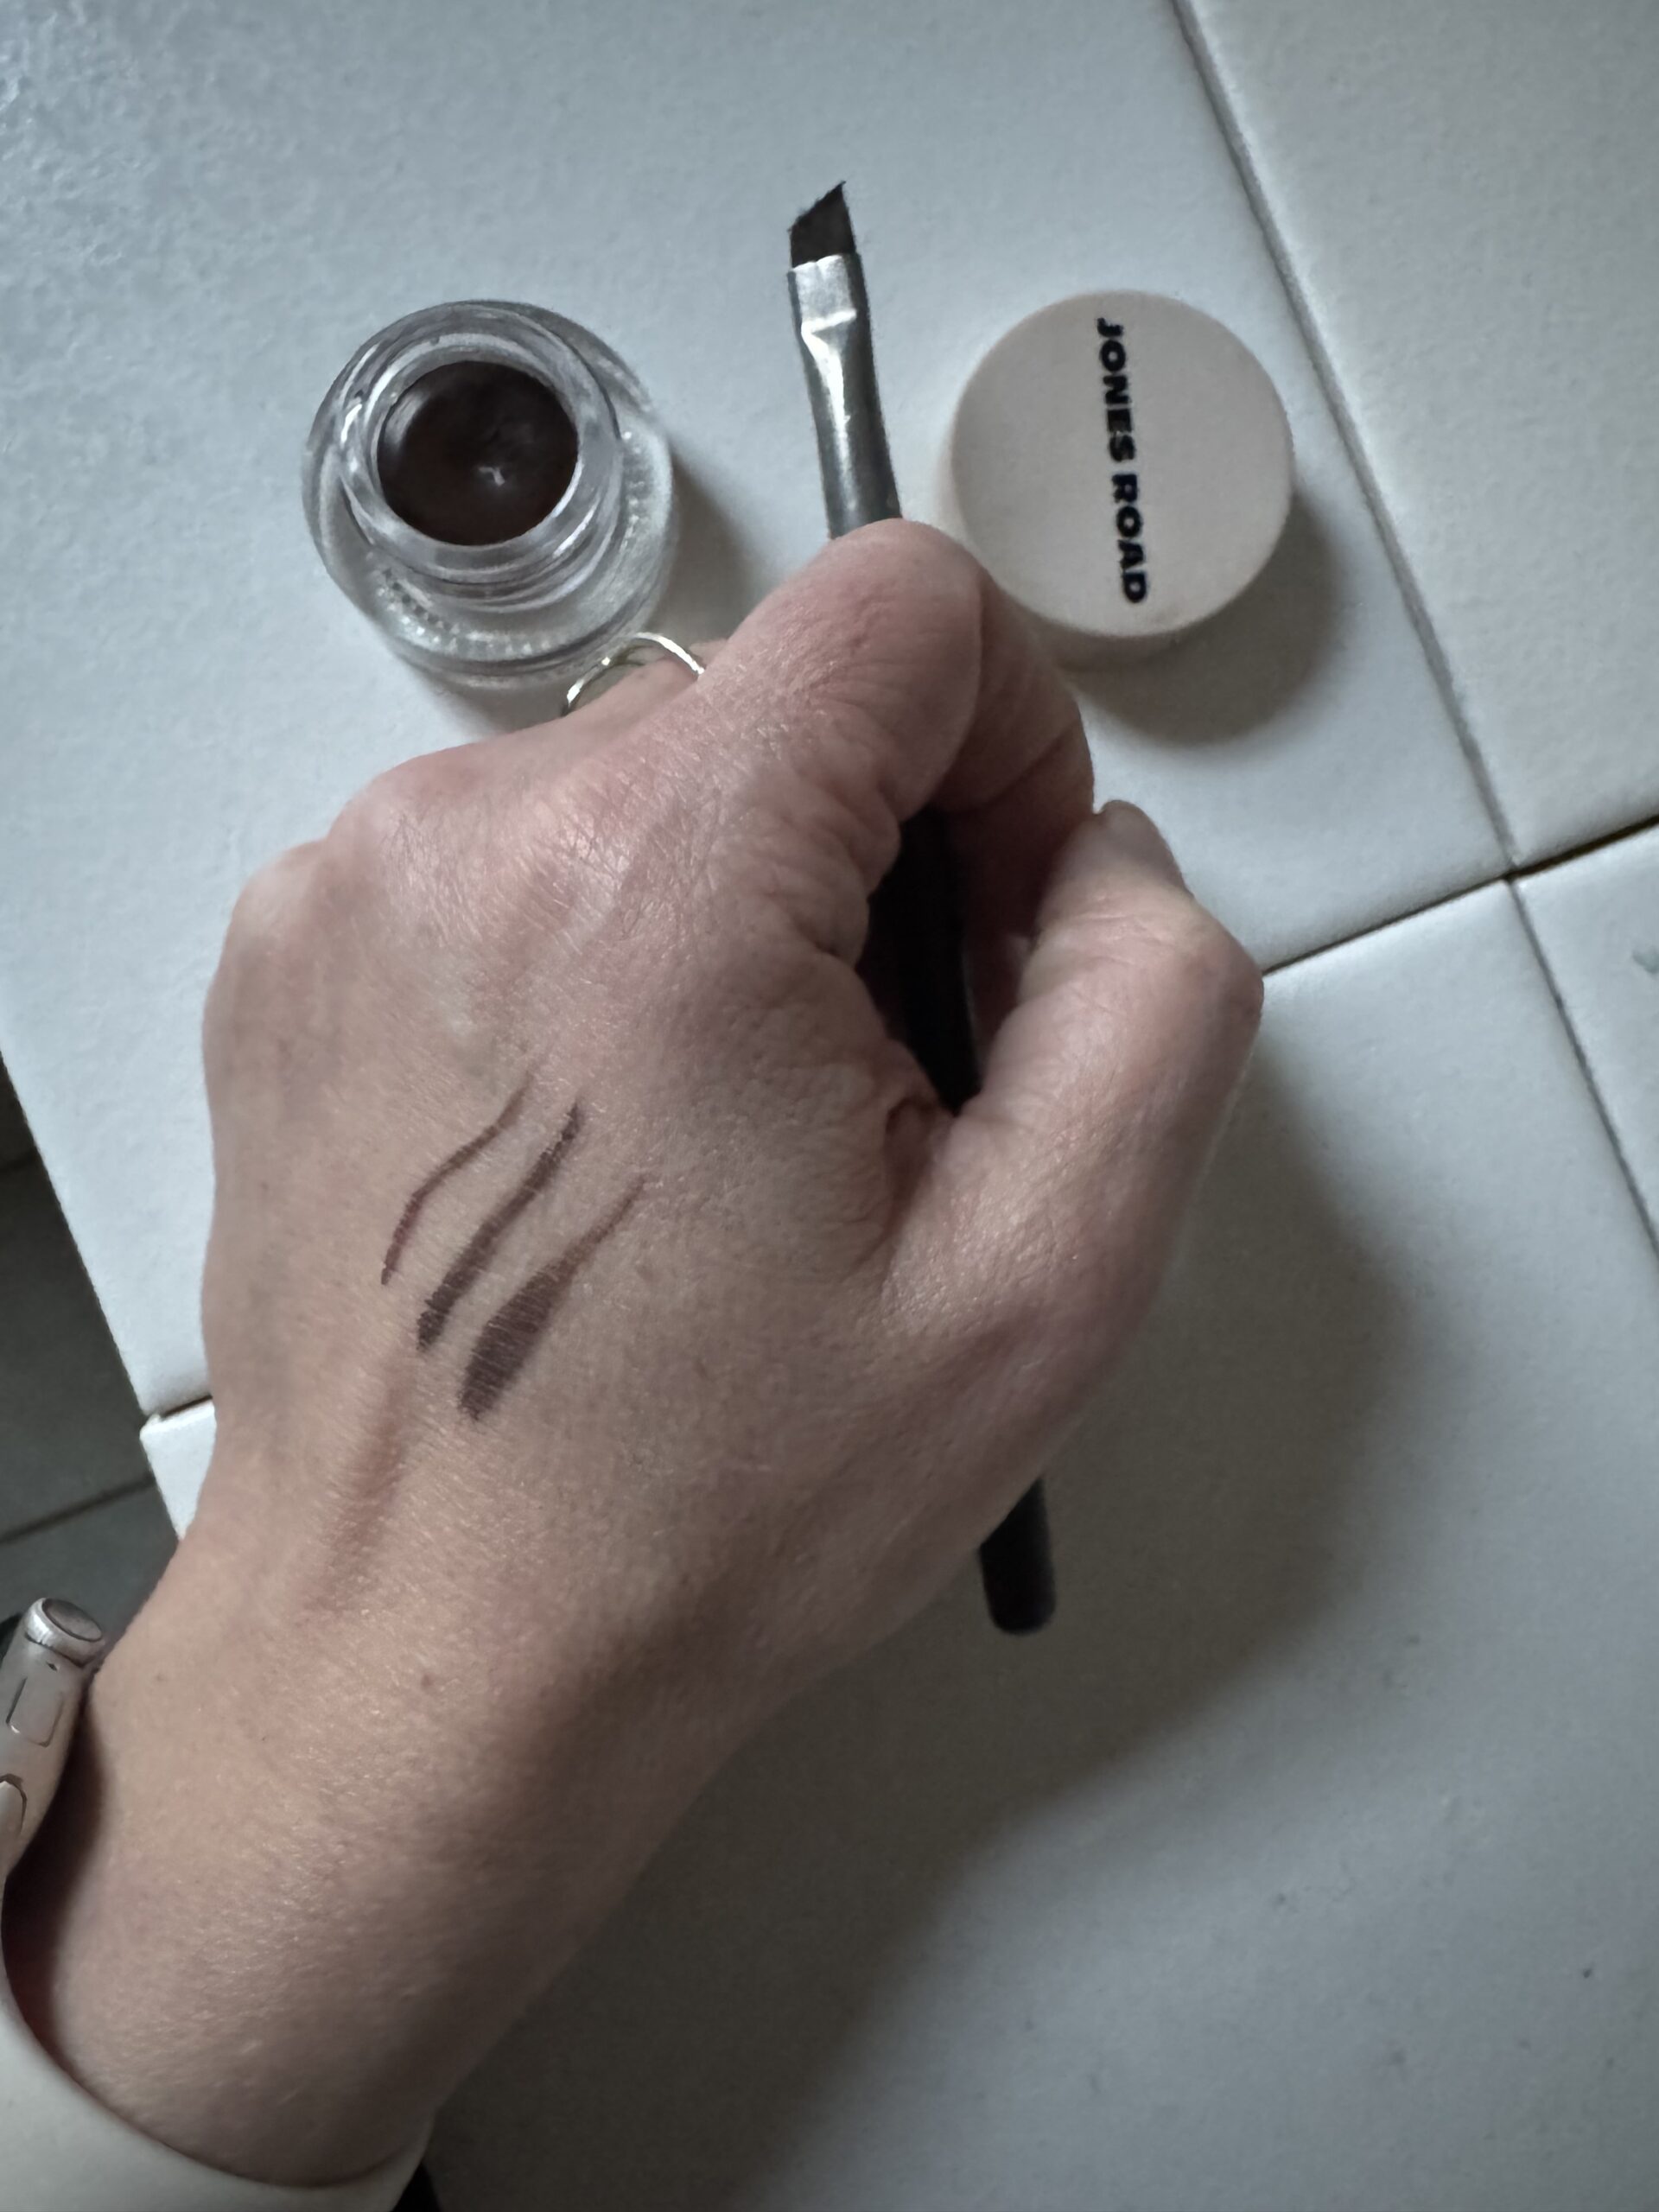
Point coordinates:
pixel 203 208
pixel 1308 1862
pixel 179 1446
pixel 1465 199
pixel 68 1427
pixel 1597 922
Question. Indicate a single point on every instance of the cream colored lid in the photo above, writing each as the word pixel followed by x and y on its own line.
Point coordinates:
pixel 1122 465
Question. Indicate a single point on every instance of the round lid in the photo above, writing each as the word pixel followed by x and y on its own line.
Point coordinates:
pixel 1122 465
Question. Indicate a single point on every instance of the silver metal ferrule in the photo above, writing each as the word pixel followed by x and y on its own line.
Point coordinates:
pixel 832 320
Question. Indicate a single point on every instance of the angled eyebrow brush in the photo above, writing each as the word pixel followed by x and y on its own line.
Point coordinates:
pixel 914 916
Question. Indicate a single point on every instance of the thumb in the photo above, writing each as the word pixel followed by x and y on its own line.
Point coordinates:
pixel 1061 1187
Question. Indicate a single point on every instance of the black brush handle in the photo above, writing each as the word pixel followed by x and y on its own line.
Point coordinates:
pixel 1016 1565
pixel 916 918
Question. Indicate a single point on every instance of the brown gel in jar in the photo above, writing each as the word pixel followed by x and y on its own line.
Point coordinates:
pixel 475 453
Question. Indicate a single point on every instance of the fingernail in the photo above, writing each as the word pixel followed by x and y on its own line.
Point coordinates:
pixel 1138 837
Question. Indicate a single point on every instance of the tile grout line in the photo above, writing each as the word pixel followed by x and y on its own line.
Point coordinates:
pixel 1586 1069
pixel 184 1406
pixel 67 1513
pixel 1583 850
pixel 1347 429
pixel 1507 877
pixel 1389 922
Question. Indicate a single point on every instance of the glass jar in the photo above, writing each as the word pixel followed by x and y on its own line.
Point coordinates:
pixel 430 441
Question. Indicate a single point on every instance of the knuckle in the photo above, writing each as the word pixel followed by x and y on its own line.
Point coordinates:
pixel 403 822
pixel 899 551
pixel 377 831
pixel 270 905
pixel 1197 955
pixel 1225 972
pixel 877 600
pixel 264 947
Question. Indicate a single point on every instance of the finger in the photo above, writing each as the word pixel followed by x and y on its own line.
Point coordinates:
pixel 888 673
pixel 1059 1188
pixel 1005 850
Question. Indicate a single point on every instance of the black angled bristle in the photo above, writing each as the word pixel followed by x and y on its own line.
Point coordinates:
pixel 825 229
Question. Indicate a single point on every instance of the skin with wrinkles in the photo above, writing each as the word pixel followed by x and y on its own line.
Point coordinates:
pixel 474 1605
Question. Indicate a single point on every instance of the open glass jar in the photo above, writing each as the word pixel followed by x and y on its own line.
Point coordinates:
pixel 489 483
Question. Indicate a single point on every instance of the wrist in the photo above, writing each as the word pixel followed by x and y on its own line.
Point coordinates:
pixel 291 1889
pixel 154 1932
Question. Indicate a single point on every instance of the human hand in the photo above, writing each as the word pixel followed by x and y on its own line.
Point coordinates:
pixel 608 1331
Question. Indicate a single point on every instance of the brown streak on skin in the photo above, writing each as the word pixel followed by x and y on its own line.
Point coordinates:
pixel 479 1248
pixel 457 1159
pixel 511 1333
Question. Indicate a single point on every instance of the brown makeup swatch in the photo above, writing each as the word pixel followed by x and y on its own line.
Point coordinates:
pixel 457 1159
pixel 479 1248
pixel 512 1332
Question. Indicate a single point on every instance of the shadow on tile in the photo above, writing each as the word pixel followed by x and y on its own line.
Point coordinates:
pixel 68 1420
pixel 107 1557
pixel 1195 1530
pixel 713 587
pixel 1238 671
pixel 15 1143
pixel 717 580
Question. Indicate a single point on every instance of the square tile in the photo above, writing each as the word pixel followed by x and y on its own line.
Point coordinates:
pixel 1307 1860
pixel 1464 199
pixel 208 212
pixel 107 1557
pixel 1597 922
pixel 68 1425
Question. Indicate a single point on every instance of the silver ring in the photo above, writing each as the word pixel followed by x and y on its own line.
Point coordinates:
pixel 643 645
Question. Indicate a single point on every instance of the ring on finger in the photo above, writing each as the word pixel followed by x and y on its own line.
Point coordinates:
pixel 632 652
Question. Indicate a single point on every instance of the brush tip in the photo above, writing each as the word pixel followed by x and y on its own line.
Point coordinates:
pixel 825 229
